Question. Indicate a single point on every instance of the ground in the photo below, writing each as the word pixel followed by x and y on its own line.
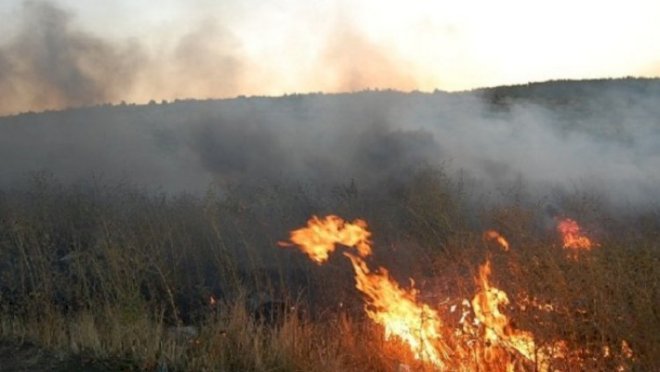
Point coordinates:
pixel 16 356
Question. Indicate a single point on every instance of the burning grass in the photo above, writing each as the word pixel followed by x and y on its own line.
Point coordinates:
pixel 134 280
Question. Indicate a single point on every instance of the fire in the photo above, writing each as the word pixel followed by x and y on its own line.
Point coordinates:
pixel 393 307
pixel 494 235
pixel 483 339
pixel 400 313
pixel 498 332
pixel 318 239
pixel 572 235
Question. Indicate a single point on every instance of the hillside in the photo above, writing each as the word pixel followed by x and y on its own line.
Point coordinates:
pixel 505 229
pixel 552 134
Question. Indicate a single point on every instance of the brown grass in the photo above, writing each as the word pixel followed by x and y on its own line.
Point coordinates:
pixel 115 274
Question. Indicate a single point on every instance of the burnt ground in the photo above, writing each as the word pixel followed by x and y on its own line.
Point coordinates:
pixel 16 356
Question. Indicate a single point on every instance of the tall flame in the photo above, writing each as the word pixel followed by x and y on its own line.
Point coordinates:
pixel 400 313
pixel 497 328
pixel 393 307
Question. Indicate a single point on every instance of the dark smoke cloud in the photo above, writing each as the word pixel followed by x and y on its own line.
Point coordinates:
pixel 50 64
pixel 239 148
pixel 602 136
pixel 603 140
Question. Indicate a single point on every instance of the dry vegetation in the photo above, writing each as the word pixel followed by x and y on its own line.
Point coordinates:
pixel 122 278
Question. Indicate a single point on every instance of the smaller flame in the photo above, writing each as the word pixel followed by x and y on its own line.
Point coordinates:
pixel 626 350
pixel 572 236
pixel 318 239
pixel 494 235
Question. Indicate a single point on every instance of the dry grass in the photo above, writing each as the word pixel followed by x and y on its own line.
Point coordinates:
pixel 115 274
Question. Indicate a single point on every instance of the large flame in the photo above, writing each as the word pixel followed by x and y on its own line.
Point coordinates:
pixel 498 332
pixel 395 308
pixel 484 338
pixel 400 313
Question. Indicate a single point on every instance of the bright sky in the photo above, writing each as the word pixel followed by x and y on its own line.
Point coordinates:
pixel 284 46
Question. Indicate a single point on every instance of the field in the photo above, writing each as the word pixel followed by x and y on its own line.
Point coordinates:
pixel 329 186
pixel 110 276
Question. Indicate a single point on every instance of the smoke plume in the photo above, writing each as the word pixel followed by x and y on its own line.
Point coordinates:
pixel 597 136
pixel 601 136
pixel 50 64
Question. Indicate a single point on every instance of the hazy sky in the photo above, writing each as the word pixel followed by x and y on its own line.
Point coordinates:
pixel 203 48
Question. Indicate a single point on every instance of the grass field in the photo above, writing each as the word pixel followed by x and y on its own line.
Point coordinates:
pixel 130 279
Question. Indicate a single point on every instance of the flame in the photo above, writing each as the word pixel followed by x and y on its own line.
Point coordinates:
pixel 318 239
pixel 626 350
pixel 387 304
pixel 400 313
pixel 573 237
pixel 483 339
pixel 494 235
pixel 498 331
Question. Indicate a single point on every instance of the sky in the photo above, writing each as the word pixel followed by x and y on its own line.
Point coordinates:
pixel 137 50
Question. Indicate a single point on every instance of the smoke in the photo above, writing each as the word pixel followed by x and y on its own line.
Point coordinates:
pixel 601 136
pixel 50 61
pixel 49 64
pixel 239 148
pixel 352 62
pixel 204 63
pixel 597 137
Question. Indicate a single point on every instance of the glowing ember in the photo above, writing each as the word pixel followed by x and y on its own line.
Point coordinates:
pixel 525 302
pixel 572 235
pixel 494 235
pixel 626 350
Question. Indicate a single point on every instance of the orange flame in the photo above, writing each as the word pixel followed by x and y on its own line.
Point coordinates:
pixel 573 237
pixel 498 331
pixel 318 239
pixel 400 313
pixel 494 235
pixel 489 342
pixel 395 308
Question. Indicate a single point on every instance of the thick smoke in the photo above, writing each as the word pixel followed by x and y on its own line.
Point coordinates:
pixel 50 64
pixel 602 140
pixel 599 136
pixel 48 61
